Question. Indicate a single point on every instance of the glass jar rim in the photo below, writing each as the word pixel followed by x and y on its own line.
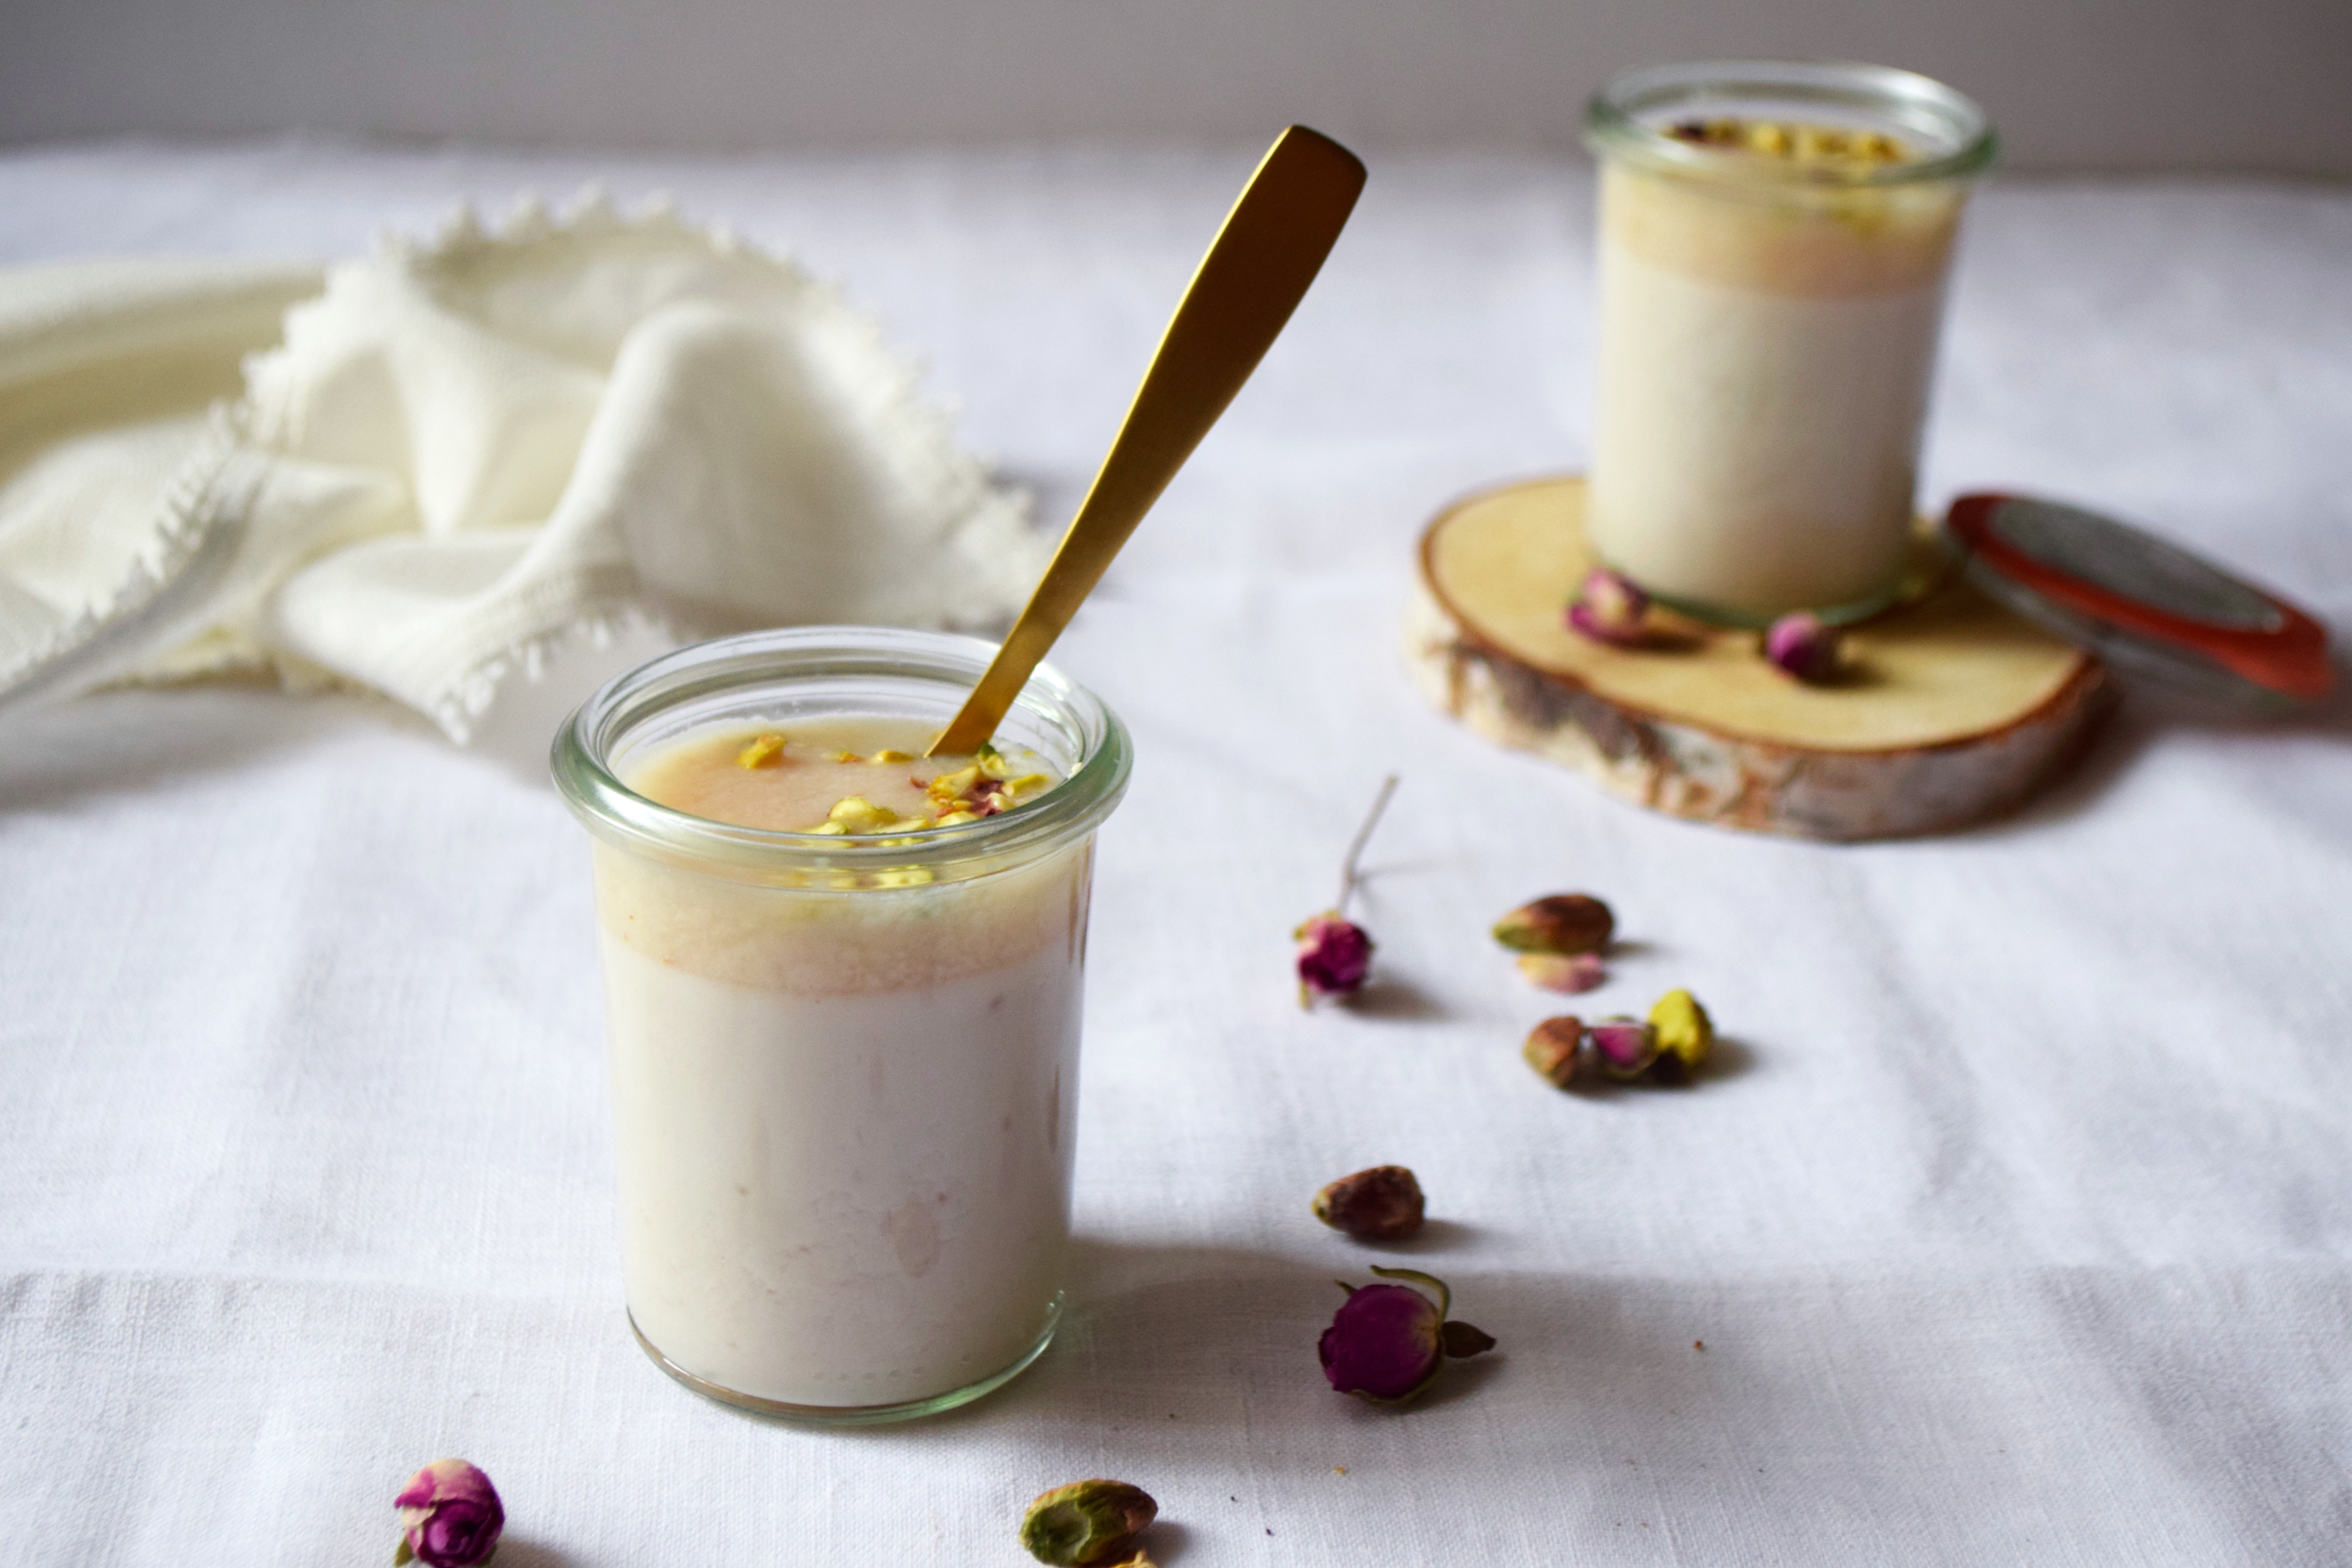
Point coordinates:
pixel 1614 122
pixel 579 756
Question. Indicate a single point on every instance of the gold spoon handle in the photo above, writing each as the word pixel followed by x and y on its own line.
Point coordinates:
pixel 1256 271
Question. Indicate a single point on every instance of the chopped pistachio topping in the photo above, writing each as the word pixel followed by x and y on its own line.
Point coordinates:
pixel 766 751
pixel 855 814
pixel 887 756
pixel 1798 143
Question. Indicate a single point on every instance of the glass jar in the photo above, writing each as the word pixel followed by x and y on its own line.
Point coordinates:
pixel 1774 242
pixel 845 1069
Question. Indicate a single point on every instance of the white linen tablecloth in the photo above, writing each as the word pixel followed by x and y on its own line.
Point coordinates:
pixel 2020 1229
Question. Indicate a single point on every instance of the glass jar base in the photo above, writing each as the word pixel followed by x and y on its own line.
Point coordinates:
pixel 1845 614
pixel 854 1415
pixel 1928 562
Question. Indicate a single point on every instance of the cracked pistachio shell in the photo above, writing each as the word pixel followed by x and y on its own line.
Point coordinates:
pixel 1552 1049
pixel 1086 1522
pixel 1561 923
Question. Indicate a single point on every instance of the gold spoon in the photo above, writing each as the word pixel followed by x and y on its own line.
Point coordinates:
pixel 1255 272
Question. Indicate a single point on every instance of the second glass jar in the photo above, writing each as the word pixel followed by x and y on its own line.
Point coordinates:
pixel 1774 242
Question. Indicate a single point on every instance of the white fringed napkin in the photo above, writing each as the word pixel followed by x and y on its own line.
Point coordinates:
pixel 462 453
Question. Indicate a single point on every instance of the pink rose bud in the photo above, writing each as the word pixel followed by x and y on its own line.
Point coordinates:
pixel 1610 608
pixel 1802 646
pixel 1387 1341
pixel 1334 957
pixel 1623 1047
pixel 450 1516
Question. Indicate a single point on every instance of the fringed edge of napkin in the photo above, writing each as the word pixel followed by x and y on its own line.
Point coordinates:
pixel 188 546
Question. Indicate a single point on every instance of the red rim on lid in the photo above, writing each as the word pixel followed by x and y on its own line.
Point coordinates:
pixel 2132 598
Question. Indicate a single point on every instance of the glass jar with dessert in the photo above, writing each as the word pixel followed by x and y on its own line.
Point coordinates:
pixel 1774 243
pixel 843 987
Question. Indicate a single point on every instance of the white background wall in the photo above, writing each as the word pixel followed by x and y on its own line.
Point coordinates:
pixel 2111 84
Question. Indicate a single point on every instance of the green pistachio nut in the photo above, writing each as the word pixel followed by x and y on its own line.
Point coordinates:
pixel 1086 1522
pixel 1686 1036
pixel 1564 923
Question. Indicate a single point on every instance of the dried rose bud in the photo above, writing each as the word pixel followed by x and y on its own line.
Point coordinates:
pixel 1086 1522
pixel 1802 646
pixel 450 1516
pixel 1570 974
pixel 1623 1049
pixel 1383 1204
pixel 1552 1048
pixel 1563 924
pixel 1334 957
pixel 1387 1341
pixel 1686 1036
pixel 1610 608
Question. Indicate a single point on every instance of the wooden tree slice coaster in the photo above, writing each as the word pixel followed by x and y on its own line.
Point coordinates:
pixel 1950 708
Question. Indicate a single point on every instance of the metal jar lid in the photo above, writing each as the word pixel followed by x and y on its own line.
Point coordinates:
pixel 2138 602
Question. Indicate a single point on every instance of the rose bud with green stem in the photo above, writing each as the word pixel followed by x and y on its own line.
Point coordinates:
pixel 450 1516
pixel 1387 1341
pixel 1335 955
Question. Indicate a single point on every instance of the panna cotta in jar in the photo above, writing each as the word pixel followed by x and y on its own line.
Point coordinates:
pixel 843 992
pixel 1774 245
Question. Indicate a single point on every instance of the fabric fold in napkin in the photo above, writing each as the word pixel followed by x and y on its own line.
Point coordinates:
pixel 439 462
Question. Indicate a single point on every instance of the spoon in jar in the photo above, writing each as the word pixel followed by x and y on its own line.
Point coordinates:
pixel 1255 272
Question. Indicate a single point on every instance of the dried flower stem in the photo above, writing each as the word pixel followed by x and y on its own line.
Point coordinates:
pixel 1356 846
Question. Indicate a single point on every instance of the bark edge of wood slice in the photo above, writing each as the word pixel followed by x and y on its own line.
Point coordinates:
pixel 1953 709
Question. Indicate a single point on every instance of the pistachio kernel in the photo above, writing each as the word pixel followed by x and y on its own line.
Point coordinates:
pixel 1552 1048
pixel 1382 1203
pixel 1570 973
pixel 1686 1036
pixel 1623 1049
pixel 1086 1522
pixel 765 752
pixel 855 814
pixel 1561 923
